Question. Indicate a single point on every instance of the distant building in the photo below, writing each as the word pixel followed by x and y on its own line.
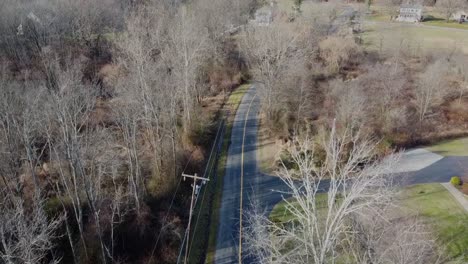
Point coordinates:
pixel 410 13
pixel 264 16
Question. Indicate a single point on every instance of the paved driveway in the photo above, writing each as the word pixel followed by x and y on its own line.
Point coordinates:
pixel 439 171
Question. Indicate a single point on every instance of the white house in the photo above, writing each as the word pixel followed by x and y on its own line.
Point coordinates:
pixel 410 13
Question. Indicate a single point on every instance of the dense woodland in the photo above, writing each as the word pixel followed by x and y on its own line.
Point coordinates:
pixel 103 104
pixel 101 110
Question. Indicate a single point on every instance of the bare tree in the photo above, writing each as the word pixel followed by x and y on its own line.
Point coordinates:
pixel 69 107
pixel 386 81
pixel 186 49
pixel 461 68
pixel 328 197
pixel 270 51
pixel 449 7
pixel 350 109
pixel 338 51
pixel 430 90
pixel 26 235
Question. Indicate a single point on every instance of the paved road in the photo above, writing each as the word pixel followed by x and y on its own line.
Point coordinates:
pixel 242 183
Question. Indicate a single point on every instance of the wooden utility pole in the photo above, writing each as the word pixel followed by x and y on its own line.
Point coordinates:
pixel 194 185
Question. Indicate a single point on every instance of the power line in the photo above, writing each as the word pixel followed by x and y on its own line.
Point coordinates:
pixel 213 168
pixel 169 210
pixel 207 169
pixel 194 187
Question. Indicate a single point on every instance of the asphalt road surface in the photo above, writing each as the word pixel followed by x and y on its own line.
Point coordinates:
pixel 244 185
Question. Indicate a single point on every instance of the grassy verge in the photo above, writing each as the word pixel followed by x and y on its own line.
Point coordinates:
pixel 456 147
pixel 439 209
pixel 202 217
pixel 267 150
pixel 231 105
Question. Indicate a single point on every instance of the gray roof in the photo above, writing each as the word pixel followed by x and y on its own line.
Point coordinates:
pixel 418 6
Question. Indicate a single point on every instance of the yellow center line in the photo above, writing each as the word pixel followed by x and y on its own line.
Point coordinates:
pixel 242 182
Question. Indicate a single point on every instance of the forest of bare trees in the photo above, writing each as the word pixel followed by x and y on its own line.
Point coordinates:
pixel 100 111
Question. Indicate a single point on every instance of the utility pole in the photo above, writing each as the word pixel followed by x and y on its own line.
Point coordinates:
pixel 195 178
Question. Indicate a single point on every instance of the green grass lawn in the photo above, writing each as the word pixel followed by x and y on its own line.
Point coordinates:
pixel 443 213
pixel 434 35
pixel 390 37
pixel 455 147
pixel 432 17
pixel 443 23
pixel 433 203
pixel 281 213
pixel 232 104
pixel 379 17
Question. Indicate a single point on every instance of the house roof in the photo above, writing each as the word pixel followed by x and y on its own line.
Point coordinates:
pixel 417 6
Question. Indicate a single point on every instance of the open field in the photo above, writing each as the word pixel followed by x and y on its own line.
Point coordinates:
pixel 381 34
pixel 434 34
pixel 443 23
pixel 455 147
pixel 389 37
pixel 431 16
pixel 440 210
pixel 314 10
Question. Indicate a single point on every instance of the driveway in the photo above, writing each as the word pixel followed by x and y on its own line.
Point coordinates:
pixel 440 171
